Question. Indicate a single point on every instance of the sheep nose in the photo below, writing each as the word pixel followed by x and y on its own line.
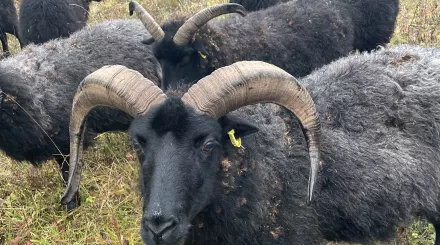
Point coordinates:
pixel 158 225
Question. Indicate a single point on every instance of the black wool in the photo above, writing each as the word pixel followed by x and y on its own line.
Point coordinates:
pixel 43 20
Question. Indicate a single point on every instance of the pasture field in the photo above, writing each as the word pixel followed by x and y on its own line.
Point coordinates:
pixel 110 214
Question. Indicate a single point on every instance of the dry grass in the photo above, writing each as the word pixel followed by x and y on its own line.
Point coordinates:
pixel 110 214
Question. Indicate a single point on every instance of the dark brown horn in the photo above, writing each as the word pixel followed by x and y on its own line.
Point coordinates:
pixel 192 25
pixel 113 86
pixel 251 82
pixel 155 30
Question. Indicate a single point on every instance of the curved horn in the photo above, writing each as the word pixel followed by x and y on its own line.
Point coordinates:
pixel 192 25
pixel 155 30
pixel 250 82
pixel 114 86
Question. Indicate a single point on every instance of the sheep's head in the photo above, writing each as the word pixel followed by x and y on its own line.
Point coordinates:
pixel 181 54
pixel 179 155
pixel 181 139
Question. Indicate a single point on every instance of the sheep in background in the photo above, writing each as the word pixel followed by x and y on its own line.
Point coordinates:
pixel 296 36
pixel 44 78
pixel 8 23
pixel 43 20
pixel 255 5
pixel 376 149
pixel 374 19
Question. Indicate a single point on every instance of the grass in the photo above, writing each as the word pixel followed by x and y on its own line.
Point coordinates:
pixel 110 214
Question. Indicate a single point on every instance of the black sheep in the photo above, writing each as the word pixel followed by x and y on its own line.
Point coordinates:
pixel 376 149
pixel 8 23
pixel 296 36
pixel 43 20
pixel 44 78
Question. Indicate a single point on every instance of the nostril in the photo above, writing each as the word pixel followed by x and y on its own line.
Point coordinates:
pixel 158 224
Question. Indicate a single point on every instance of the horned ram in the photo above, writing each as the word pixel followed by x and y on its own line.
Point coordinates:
pixel 364 134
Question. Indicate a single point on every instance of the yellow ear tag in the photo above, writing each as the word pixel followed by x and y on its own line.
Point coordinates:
pixel 202 55
pixel 235 142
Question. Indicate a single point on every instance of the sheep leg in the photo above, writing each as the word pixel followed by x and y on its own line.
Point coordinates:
pixel 437 233
pixel 64 168
pixel 4 41
pixel 14 31
pixel 434 218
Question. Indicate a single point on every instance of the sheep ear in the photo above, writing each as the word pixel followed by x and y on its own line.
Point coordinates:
pixel 148 41
pixel 241 128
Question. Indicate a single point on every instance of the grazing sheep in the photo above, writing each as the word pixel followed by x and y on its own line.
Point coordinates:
pixel 43 20
pixel 44 78
pixel 297 36
pixel 254 5
pixel 376 149
pixel 8 23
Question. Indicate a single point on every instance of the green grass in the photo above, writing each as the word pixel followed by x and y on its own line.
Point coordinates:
pixel 110 214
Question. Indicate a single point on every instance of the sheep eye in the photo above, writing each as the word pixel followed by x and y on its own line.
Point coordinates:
pixel 208 146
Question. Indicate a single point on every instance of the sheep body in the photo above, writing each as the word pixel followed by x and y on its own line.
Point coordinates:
pixel 380 136
pixel 43 20
pixel 44 78
pixel 8 22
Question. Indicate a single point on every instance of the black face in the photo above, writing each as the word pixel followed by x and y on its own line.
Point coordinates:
pixel 179 154
pixel 180 64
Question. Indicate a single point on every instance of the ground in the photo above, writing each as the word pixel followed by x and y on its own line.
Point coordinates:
pixel 29 197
